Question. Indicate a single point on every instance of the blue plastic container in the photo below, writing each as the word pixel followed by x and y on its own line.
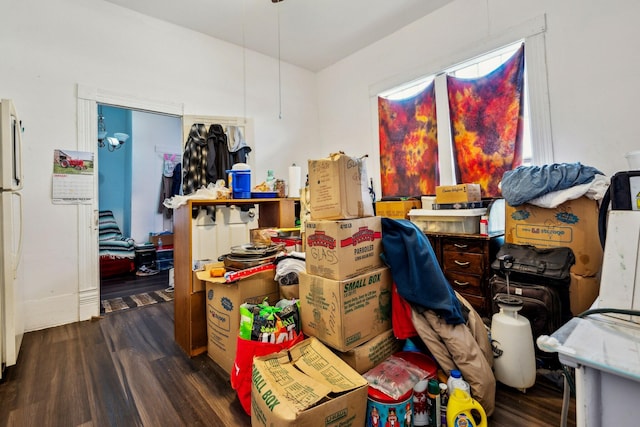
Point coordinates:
pixel 240 183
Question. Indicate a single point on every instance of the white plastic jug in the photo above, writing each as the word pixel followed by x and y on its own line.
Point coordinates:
pixel 512 337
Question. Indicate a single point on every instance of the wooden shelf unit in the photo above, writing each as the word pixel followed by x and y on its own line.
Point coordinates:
pixel 190 324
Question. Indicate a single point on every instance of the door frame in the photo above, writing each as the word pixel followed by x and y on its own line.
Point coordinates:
pixel 88 99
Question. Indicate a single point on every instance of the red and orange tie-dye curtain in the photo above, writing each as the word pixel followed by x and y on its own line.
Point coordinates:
pixel 408 145
pixel 486 124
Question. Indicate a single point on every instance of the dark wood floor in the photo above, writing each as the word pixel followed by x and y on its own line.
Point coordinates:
pixel 130 284
pixel 125 369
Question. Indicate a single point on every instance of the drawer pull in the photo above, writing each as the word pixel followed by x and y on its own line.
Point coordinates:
pixel 457 282
pixel 462 264
pixel 460 246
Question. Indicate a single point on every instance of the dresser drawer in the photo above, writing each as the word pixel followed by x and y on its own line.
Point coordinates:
pixel 479 303
pixel 468 263
pixel 453 244
pixel 466 283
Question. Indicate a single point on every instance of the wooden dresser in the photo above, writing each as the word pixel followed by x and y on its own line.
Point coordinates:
pixel 466 262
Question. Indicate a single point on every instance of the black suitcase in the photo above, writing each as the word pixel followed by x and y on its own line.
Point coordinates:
pixel 538 266
pixel 541 306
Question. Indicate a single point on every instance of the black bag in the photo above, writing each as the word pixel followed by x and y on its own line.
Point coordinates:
pixel 542 307
pixel 620 196
pixel 543 266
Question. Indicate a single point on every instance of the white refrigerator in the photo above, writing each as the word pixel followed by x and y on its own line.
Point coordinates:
pixel 11 295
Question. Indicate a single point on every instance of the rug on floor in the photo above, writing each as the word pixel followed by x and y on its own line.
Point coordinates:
pixel 133 301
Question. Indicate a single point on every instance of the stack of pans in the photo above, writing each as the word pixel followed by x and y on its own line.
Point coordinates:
pixel 247 256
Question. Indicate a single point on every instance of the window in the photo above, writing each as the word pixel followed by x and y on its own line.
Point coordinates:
pixel 538 140
pixel 411 95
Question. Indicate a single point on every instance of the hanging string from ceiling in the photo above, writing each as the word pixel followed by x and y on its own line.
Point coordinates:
pixel 279 65
pixel 244 63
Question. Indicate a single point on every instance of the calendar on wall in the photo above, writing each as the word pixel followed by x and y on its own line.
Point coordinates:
pixel 73 176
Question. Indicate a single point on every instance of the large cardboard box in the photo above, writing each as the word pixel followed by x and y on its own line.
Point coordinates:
pixel 460 193
pixel 583 291
pixel 223 302
pixel 344 314
pixel 342 249
pixel 338 188
pixel 307 385
pixel 574 223
pixel 397 209
pixel 370 354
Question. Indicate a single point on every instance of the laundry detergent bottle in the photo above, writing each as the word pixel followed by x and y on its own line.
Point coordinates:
pixel 460 409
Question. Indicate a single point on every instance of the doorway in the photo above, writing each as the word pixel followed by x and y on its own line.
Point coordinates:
pixel 131 175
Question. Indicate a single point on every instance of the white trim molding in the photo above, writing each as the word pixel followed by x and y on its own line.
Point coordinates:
pixel 87 131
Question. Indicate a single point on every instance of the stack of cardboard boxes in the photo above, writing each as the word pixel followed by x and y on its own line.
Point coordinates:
pixel 345 302
pixel 345 294
pixel 574 223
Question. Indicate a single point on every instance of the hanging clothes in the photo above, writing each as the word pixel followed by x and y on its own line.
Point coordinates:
pixel 218 157
pixel 195 164
pixel 238 148
pixel 176 184
pixel 167 183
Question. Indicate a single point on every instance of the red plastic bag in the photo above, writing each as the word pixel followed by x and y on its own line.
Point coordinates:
pixel 401 316
pixel 241 373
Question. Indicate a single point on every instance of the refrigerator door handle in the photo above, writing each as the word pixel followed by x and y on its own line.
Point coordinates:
pixel 18 254
pixel 17 152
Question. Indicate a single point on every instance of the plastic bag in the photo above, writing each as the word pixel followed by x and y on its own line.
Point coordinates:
pixel 270 324
pixel 395 376
pixel 241 373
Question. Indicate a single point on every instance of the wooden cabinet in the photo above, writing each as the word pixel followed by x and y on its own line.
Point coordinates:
pixel 190 325
pixel 466 262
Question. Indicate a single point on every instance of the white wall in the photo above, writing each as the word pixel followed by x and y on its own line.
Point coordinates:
pixel 152 135
pixel 48 47
pixel 592 70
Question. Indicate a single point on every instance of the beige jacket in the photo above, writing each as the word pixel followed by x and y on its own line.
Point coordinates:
pixel 465 347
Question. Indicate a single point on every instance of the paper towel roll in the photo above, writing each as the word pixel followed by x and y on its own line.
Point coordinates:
pixel 295 177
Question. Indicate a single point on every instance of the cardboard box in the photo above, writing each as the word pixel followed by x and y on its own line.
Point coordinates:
pixel 370 354
pixel 223 302
pixel 574 223
pixel 342 249
pixel 339 188
pixel 307 385
pixel 458 193
pixel 583 292
pixel 345 314
pixel 397 209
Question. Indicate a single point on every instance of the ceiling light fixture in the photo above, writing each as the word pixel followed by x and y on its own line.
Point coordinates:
pixel 112 143
pixel 102 129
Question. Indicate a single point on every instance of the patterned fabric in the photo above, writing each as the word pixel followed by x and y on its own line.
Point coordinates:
pixel 409 145
pixel 111 242
pixel 486 124
pixel 194 160
pixel 108 227
pixel 195 165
